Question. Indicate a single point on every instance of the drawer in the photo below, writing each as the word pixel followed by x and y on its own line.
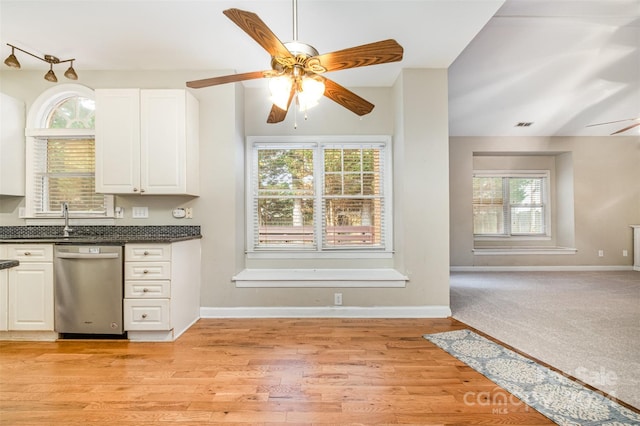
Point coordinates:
pixel 146 314
pixel 147 289
pixel 30 252
pixel 147 270
pixel 141 252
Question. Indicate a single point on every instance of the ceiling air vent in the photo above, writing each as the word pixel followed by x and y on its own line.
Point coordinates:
pixel 524 124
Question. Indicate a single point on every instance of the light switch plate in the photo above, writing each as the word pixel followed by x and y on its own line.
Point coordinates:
pixel 139 212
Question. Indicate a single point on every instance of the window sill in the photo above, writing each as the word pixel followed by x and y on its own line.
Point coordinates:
pixel 329 278
pixel 506 251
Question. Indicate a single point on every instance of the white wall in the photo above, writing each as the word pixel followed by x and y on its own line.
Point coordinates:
pixel 228 113
pixel 598 197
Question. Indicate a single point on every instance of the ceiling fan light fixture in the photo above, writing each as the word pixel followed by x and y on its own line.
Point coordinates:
pixel 280 88
pixel 311 91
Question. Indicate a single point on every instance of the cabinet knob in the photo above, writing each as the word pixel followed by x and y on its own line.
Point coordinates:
pixel 27 253
pixel 145 271
pixel 135 189
pixel 146 253
pixel 145 290
pixel 144 316
pixel 141 191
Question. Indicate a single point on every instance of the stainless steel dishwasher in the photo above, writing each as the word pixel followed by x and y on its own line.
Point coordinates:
pixel 88 289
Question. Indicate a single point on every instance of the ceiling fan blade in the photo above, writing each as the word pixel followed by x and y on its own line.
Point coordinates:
pixel 259 31
pixel 346 98
pixel 233 78
pixel 379 52
pixel 626 128
pixel 612 122
pixel 277 114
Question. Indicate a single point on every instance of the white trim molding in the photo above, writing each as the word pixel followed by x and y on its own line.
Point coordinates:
pixel 326 278
pixel 506 251
pixel 567 268
pixel 427 311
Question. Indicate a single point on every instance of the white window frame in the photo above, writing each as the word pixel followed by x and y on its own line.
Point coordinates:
pixel 546 176
pixel 319 252
pixel 36 117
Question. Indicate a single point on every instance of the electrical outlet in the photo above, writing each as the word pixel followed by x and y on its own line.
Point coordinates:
pixel 188 212
pixel 139 212
pixel 337 299
pixel 600 253
pixel 625 253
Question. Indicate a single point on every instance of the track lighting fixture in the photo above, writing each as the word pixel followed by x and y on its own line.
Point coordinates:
pixel 70 73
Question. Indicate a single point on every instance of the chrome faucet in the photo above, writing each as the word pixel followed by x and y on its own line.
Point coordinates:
pixel 65 214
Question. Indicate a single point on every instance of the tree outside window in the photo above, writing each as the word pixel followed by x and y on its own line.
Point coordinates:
pixel 318 196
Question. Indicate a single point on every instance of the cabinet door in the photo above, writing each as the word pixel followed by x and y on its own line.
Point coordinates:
pixel 163 141
pixel 12 146
pixel 149 314
pixel 31 297
pixel 4 283
pixel 118 141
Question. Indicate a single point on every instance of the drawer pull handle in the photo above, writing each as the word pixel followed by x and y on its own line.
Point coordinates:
pixel 145 290
pixel 144 316
pixel 145 271
pixel 27 253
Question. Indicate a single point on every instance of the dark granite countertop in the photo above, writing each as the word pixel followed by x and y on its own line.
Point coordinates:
pixel 116 235
pixel 6 264
pixel 114 240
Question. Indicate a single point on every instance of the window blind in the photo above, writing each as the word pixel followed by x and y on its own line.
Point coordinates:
pixel 510 203
pixel 317 196
pixel 352 196
pixel 64 172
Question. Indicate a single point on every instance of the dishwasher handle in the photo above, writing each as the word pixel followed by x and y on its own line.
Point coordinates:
pixel 88 255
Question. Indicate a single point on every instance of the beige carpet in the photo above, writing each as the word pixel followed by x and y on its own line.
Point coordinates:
pixel 586 324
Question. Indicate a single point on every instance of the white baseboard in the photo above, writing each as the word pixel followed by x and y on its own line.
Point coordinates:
pixel 568 268
pixel 431 311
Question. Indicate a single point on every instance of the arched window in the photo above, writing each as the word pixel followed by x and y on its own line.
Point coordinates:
pixel 61 155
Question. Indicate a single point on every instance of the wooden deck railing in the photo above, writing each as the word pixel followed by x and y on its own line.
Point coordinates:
pixel 336 235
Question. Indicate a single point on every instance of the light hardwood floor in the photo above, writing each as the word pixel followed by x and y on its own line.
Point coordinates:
pixel 256 371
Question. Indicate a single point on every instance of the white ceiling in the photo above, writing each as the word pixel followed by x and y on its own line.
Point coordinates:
pixel 561 64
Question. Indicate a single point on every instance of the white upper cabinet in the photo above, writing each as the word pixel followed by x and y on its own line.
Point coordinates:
pixel 12 146
pixel 147 142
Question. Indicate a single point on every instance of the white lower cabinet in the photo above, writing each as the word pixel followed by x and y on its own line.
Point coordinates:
pixel 149 314
pixel 162 289
pixel 4 299
pixel 29 288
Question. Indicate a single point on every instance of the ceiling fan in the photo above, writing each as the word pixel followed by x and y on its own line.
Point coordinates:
pixel 637 120
pixel 296 67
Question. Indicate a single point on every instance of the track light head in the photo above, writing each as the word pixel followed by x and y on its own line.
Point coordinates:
pixel 51 76
pixel 70 73
pixel 11 60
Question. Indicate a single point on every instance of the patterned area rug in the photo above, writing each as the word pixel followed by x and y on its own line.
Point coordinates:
pixel 557 397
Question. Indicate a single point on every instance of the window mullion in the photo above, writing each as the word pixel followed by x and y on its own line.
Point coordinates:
pixel 319 209
pixel 506 205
